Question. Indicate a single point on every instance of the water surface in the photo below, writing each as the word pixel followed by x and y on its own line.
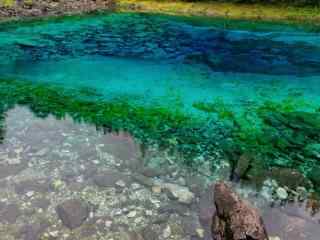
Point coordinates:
pixel 107 109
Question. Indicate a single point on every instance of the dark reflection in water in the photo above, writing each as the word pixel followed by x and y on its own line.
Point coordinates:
pixel 158 38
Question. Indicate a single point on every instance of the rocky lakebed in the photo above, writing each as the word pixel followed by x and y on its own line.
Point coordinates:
pixel 61 180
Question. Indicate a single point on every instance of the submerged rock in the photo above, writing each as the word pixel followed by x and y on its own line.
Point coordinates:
pixel 9 213
pixel 235 219
pixel 72 213
pixel 182 194
pixel 110 178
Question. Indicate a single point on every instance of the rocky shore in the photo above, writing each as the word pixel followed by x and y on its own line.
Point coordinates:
pixel 52 8
pixel 82 184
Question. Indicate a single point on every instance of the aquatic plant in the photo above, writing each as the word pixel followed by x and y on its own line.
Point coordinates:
pixel 276 133
pixel 169 128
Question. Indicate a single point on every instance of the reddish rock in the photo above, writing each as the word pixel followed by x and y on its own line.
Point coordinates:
pixel 235 219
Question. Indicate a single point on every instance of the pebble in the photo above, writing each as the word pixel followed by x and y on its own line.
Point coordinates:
pixel 149 213
pixel 121 183
pixel 167 232
pixel 282 193
pixel 30 194
pixel 200 232
pixel 13 161
pixel 138 220
pixel 156 189
pixel 183 194
pixel 108 224
pixel 274 238
pixel 54 234
pixel 132 214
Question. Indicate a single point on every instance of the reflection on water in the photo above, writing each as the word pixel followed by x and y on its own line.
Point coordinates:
pixel 45 162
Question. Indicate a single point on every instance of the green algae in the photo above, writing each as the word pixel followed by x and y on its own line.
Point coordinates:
pixel 279 134
pixel 154 124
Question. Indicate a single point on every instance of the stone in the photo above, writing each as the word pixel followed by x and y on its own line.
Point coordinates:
pixel 282 194
pixel 242 166
pixel 110 178
pixel 182 194
pixel 288 177
pixel 148 233
pixel 151 172
pixel 33 231
pixel 167 232
pixel 132 214
pixel 143 180
pixel 295 223
pixel 28 186
pixel 274 238
pixel 235 219
pixel 7 170
pixel 9 213
pixel 156 189
pixel 72 213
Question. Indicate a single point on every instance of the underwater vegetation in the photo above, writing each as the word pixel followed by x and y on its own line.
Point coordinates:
pixel 263 137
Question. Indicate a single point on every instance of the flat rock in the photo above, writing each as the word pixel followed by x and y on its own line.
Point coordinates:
pixel 288 226
pixel 235 219
pixel 11 170
pixel 72 213
pixel 182 194
pixel 9 213
pixel 33 231
pixel 110 178
pixel 41 186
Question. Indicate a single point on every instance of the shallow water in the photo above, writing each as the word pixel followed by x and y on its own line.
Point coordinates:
pixel 45 162
pixel 51 154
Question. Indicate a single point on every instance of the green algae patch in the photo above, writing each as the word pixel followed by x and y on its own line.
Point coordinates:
pixel 262 141
pixel 171 129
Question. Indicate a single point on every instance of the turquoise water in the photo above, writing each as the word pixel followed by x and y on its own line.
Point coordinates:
pixel 154 58
pixel 165 90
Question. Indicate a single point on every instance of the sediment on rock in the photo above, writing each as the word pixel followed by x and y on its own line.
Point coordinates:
pixel 235 219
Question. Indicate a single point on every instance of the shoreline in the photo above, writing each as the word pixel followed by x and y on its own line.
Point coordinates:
pixel 257 12
pixel 229 11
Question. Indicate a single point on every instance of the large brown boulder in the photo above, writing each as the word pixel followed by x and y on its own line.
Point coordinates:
pixel 235 219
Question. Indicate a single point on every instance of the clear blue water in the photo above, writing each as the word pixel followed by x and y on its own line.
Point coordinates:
pixel 165 59
pixel 150 59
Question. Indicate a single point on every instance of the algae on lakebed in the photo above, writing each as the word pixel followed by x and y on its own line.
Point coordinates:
pixel 276 134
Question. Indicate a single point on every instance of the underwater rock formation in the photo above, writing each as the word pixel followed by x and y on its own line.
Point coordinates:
pixel 235 219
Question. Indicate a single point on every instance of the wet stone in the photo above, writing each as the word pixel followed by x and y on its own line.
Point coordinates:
pixel 182 194
pixel 72 213
pixel 24 187
pixel 9 213
pixel 149 233
pixel 174 208
pixel 109 178
pixel 41 203
pixel 33 231
pixel 11 170
pixel 143 180
pixel 151 172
